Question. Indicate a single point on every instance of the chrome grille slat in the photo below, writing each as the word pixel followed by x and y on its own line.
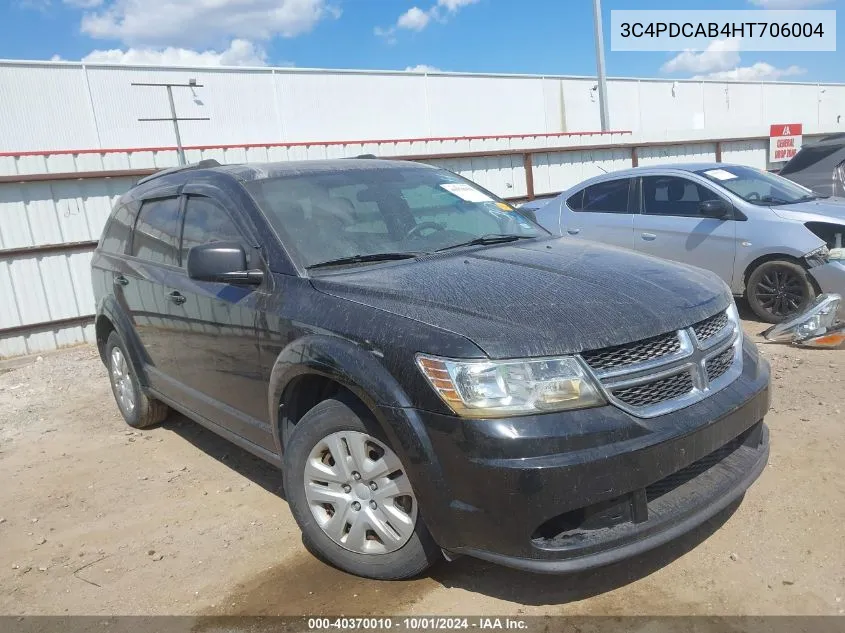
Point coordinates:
pixel 656 391
pixel 719 364
pixel 611 358
pixel 710 327
pixel 664 373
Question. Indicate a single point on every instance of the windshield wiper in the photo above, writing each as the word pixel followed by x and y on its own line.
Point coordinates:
pixel 360 259
pixel 489 239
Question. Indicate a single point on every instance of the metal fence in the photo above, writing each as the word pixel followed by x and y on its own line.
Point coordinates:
pixel 53 205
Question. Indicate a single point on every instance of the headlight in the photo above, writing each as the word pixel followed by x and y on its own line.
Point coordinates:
pixel 818 257
pixel 495 389
pixel 816 321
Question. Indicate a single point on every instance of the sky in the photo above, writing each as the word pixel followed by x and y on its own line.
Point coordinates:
pixel 494 36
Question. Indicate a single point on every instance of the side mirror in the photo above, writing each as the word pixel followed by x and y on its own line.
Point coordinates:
pixel 717 209
pixel 223 262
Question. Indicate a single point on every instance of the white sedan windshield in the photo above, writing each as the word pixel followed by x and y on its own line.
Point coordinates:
pixel 758 187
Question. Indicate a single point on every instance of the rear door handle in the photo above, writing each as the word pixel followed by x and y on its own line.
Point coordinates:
pixel 573 231
pixel 120 280
pixel 649 237
pixel 177 297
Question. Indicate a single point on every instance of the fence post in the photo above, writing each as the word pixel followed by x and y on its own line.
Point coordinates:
pixel 528 164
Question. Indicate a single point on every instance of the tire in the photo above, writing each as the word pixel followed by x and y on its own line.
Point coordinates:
pixel 779 289
pixel 401 547
pixel 137 408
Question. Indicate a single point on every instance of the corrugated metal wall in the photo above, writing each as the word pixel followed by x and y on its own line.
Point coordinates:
pixel 47 228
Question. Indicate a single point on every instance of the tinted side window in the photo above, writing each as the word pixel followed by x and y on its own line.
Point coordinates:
pixel 206 221
pixel 156 231
pixel 607 197
pixel 669 195
pixel 118 229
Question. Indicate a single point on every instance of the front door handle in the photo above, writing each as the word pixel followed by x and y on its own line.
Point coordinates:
pixel 573 231
pixel 649 237
pixel 120 280
pixel 177 297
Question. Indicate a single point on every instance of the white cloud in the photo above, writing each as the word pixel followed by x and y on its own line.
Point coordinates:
pixel 422 68
pixel 719 55
pixel 788 4
pixel 414 19
pixel 239 53
pixel 84 4
pixel 761 71
pixel 454 5
pixel 194 23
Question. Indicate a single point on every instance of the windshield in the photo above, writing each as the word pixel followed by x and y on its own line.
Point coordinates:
pixel 758 187
pixel 379 214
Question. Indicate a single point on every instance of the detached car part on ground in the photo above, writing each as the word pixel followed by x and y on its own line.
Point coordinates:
pixel 432 371
pixel 818 326
pixel 772 241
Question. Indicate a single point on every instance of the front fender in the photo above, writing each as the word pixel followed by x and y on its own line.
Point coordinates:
pixel 361 371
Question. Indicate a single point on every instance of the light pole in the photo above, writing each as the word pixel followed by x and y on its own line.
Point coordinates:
pixel 597 25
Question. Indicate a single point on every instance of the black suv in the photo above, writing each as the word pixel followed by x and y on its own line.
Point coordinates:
pixel 433 372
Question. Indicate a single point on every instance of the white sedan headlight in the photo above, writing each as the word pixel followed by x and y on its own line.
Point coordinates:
pixel 495 389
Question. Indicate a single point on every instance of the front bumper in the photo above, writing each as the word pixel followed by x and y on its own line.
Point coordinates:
pixel 575 490
pixel 831 278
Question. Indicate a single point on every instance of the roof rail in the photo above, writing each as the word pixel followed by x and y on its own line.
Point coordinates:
pixel 370 156
pixel 203 164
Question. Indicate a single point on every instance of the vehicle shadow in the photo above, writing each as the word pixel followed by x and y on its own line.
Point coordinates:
pixel 243 462
pixel 539 589
pixel 465 573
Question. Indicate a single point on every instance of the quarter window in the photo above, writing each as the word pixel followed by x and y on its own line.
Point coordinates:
pixel 156 232
pixel 117 232
pixel 670 195
pixel 206 221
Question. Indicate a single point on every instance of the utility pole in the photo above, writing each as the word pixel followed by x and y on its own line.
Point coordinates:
pixel 602 85
pixel 192 83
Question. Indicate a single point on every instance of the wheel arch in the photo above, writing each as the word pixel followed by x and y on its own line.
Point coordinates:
pixel 770 257
pixel 111 318
pixel 316 367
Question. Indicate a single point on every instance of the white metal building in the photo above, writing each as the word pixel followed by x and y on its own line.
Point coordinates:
pixel 70 143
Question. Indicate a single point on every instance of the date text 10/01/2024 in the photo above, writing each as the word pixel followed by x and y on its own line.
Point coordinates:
pixel 417 623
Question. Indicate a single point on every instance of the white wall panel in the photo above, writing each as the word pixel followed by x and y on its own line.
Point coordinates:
pixel 690 153
pixel 335 106
pixel 471 106
pixel 44 107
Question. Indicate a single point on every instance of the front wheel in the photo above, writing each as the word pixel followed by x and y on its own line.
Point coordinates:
pixel 778 290
pixel 351 496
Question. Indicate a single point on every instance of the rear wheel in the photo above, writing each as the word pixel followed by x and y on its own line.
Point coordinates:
pixel 779 289
pixel 351 496
pixel 137 408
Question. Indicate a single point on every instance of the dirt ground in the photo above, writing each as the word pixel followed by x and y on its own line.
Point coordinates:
pixel 96 518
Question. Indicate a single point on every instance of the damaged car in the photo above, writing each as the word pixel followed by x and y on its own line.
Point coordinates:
pixel 771 240
pixel 432 373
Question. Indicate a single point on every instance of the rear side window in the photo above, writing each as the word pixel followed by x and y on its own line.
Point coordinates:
pixel 606 197
pixel 157 231
pixel 118 229
pixel 206 221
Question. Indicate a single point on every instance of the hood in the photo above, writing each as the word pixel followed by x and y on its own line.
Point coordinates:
pixel 538 298
pixel 824 210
